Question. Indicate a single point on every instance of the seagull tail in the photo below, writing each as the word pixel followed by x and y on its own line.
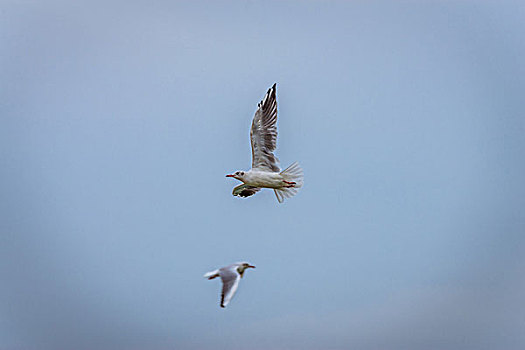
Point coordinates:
pixel 211 275
pixel 294 173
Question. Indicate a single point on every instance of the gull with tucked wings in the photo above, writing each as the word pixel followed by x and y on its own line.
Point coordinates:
pixel 230 276
pixel 265 171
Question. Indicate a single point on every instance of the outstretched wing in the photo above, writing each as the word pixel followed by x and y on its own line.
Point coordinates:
pixel 244 190
pixel 230 283
pixel 263 134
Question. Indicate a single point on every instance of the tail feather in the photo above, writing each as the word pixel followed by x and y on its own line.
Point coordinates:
pixel 294 173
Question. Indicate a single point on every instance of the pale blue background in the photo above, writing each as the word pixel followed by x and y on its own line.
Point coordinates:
pixel 120 119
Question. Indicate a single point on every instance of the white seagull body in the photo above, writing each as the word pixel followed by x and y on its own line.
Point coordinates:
pixel 230 276
pixel 265 172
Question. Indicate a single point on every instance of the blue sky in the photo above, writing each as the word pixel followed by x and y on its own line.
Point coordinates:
pixel 120 120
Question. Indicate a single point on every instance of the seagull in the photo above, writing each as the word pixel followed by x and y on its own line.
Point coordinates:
pixel 230 276
pixel 265 171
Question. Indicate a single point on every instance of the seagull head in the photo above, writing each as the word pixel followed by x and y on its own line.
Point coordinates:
pixel 243 266
pixel 239 175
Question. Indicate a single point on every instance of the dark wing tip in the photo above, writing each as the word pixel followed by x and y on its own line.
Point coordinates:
pixel 245 193
pixel 222 306
pixel 273 89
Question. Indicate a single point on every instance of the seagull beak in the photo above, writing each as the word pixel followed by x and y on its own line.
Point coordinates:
pixel 230 175
pixel 253 267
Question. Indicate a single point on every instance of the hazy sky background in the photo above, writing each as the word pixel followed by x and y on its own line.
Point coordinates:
pixel 120 119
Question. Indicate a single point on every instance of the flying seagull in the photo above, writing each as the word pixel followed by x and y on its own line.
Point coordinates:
pixel 230 276
pixel 265 171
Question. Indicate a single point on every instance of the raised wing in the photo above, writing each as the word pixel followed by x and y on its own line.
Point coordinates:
pixel 245 190
pixel 230 283
pixel 264 133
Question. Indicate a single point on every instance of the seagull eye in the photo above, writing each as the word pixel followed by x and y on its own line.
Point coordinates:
pixel 242 172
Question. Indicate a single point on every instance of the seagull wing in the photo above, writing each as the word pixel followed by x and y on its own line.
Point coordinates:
pixel 230 283
pixel 263 134
pixel 245 190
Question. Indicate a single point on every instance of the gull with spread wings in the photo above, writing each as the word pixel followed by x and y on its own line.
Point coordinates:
pixel 265 171
pixel 230 276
